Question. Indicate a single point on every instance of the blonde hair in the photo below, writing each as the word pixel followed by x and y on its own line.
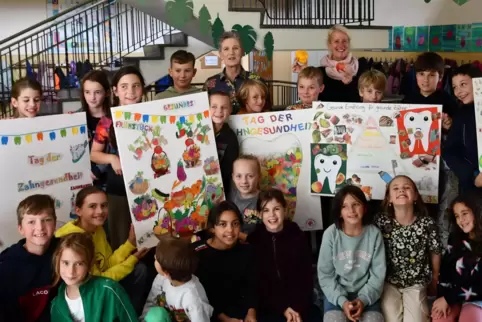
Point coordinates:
pixel 311 72
pixel 35 205
pixel 80 243
pixel 372 77
pixel 243 93
pixel 252 158
pixel 338 28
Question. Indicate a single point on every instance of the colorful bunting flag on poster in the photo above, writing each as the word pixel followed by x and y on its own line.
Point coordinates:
pixel 38 136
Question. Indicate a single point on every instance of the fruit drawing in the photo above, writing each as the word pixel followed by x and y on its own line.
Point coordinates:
pixel 435 41
pixel 139 185
pixel 160 162
pixel 181 173
pixel 192 154
pixel 398 42
pixel 462 42
pixel 140 145
pixel 144 207
pixel 421 40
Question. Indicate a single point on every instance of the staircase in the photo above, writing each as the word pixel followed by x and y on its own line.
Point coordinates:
pixel 107 34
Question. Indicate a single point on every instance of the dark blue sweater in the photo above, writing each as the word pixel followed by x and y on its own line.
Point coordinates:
pixel 460 149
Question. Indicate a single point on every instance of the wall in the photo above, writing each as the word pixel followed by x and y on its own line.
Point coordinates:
pixel 20 15
pixel 203 74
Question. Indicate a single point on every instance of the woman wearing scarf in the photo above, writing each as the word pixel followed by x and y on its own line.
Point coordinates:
pixel 339 68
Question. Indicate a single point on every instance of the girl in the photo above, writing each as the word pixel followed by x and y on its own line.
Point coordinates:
pixel 26 98
pixel 460 282
pixel 351 264
pixel 95 100
pixel 413 249
pixel 282 261
pixel 91 208
pixel 247 177
pixel 254 97
pixel 83 297
pixel 460 149
pixel 226 268
pixel 128 88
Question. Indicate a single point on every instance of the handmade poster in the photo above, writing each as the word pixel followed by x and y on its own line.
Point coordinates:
pixel 463 37
pixel 410 43
pixel 280 140
pixel 369 144
pixel 477 82
pixel 476 41
pixel 40 157
pixel 398 38
pixel 422 38
pixel 170 165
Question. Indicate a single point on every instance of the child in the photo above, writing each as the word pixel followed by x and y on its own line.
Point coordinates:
pixel 226 140
pixel 460 282
pixel 254 97
pixel 246 178
pixel 91 208
pixel 26 267
pixel 26 98
pixel 282 261
pixel 351 264
pixel 83 297
pixel 128 88
pixel 460 151
pixel 182 72
pixel 175 287
pixel 95 100
pixel 413 249
pixel 226 267
pixel 371 86
pixel 310 85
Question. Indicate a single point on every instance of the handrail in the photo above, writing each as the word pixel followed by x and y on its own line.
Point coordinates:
pixel 43 22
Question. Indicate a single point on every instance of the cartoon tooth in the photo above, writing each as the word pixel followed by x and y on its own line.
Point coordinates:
pixel 327 166
pixel 418 128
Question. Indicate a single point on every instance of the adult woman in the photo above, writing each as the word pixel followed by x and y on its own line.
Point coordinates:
pixel 339 68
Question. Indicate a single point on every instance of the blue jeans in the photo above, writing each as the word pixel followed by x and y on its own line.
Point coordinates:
pixel 327 306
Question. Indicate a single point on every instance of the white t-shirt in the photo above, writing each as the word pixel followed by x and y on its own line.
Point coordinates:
pixel 76 308
pixel 189 299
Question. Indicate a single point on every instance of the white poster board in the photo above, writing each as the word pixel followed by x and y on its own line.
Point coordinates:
pixel 281 141
pixel 170 165
pixel 42 155
pixel 477 82
pixel 368 144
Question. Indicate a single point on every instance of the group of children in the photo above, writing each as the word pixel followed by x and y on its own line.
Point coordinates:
pixel 252 263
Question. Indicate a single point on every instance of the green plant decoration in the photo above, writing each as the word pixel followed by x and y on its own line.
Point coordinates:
pixel 179 12
pixel 269 45
pixel 248 37
pixel 204 20
pixel 217 31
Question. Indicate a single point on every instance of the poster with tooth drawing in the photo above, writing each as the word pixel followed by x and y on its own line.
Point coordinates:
pixel 369 144
pixel 477 82
pixel 281 140
pixel 170 165
pixel 40 157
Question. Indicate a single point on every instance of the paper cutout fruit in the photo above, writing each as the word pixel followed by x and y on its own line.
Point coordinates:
pixel 192 154
pixel 181 173
pixel 144 208
pixel 160 162
pixel 302 57
pixel 138 185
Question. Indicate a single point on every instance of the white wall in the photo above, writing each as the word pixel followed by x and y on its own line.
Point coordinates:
pixel 17 15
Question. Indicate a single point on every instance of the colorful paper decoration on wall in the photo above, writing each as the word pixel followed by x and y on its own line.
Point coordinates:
pixel 38 157
pixel 170 165
pixel 280 140
pixel 369 144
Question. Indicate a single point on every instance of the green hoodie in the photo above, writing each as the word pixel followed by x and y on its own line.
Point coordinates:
pixel 171 92
pixel 102 298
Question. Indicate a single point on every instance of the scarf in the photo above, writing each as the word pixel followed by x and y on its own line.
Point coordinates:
pixel 343 70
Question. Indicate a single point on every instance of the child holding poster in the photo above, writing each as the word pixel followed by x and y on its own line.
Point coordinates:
pixel 254 97
pixel 26 98
pixel 120 265
pixel 371 86
pixel 128 87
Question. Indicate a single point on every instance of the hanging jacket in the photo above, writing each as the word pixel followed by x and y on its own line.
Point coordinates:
pixel 103 300
pixel 283 266
pixel 26 281
pixel 115 265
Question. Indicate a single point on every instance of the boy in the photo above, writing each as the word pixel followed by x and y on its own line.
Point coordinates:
pixel 175 287
pixel 310 85
pixel 26 271
pixel 371 86
pixel 429 68
pixel 182 72
pixel 226 141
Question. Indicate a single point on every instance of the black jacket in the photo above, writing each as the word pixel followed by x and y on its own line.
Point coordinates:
pixel 228 151
pixel 337 91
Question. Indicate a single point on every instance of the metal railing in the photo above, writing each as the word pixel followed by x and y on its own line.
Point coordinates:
pixel 283 93
pixel 309 13
pixel 59 50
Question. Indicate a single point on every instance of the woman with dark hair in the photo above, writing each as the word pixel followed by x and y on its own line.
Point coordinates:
pixel 460 282
pixel 351 264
